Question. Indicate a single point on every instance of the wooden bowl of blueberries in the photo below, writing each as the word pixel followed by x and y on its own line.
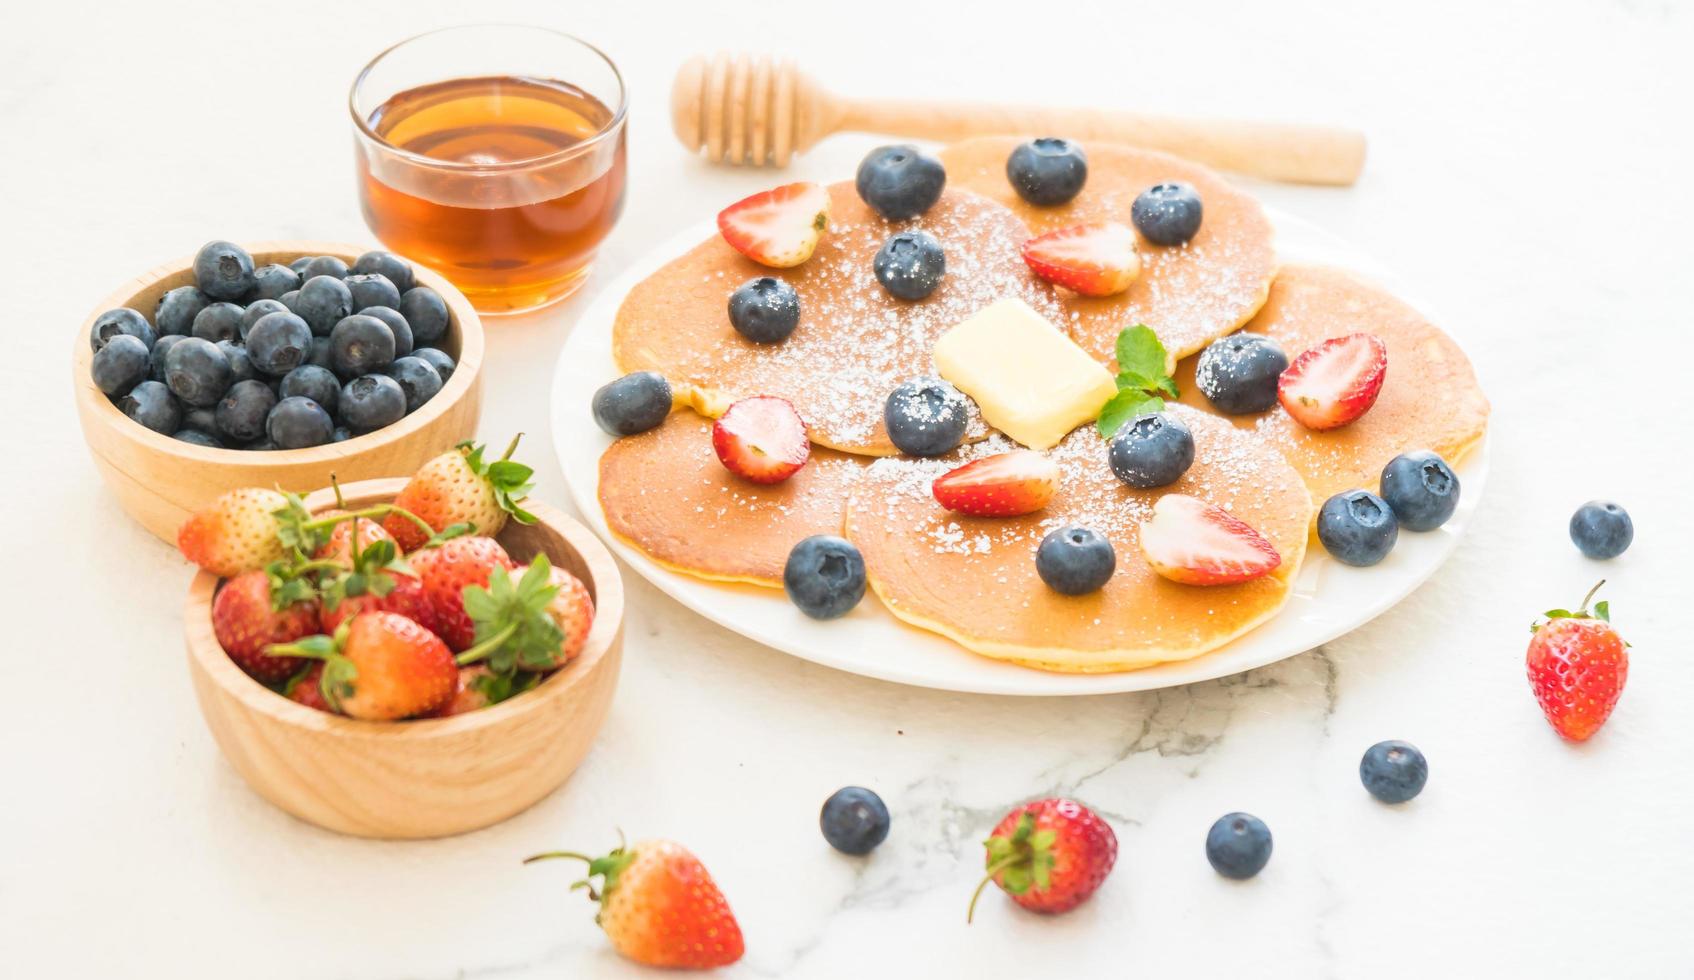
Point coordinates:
pixel 278 364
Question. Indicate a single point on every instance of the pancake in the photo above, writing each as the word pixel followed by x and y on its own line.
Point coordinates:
pixel 855 342
pixel 1430 398
pixel 665 493
pixel 1189 294
pixel 973 579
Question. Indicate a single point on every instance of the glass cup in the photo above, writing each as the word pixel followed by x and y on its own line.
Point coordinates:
pixel 493 154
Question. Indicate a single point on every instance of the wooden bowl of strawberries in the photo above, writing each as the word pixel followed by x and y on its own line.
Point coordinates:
pixel 402 685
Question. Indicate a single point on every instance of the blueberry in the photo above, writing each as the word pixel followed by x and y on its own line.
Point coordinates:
pixel 371 402
pixel 1152 450
pixel 241 413
pixel 1393 771
pixel 1075 560
pixel 360 345
pixel 320 353
pixel 900 182
pixel 633 403
pixel 341 434
pixel 152 404
pixel 1238 845
pixel 197 438
pixel 1421 488
pixel 218 321
pixel 177 309
pixel 156 359
pixel 223 270
pixel 417 379
pixel 323 302
pixel 824 576
pixel 765 310
pixel 426 311
pixel 121 322
pixel 385 264
pixel 257 309
pixel 271 281
pixel 291 300
pixel 910 264
pixel 201 420
pixel 854 820
pixel 120 365
pixel 1047 171
pixel 372 289
pixel 1168 213
pixel 197 372
pixel 279 343
pixel 298 422
pixel 926 417
pixel 322 265
pixel 1601 529
pixel 240 365
pixel 438 359
pixel 1357 527
pixel 314 382
pixel 397 324
pixel 1238 373
pixel 298 266
pixel 264 445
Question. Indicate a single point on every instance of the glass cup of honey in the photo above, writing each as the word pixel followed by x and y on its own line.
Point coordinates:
pixel 494 154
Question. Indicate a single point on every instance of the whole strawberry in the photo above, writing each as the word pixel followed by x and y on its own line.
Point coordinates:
pixel 458 487
pixel 349 537
pixel 659 906
pixel 1049 856
pixel 256 609
pixel 445 570
pixel 515 622
pixel 306 688
pixel 381 667
pixel 572 611
pixel 1577 667
pixel 237 533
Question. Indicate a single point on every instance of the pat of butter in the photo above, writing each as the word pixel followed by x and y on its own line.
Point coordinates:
pixel 1029 379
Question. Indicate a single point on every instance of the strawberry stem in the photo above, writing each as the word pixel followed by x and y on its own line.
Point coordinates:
pixel 511 448
pixel 335 485
pixel 486 647
pixel 1583 610
pixel 993 871
pixel 549 855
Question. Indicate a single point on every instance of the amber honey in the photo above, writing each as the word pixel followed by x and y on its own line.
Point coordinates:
pixel 505 185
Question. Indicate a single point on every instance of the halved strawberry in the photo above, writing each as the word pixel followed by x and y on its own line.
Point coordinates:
pixel 779 227
pixel 1094 259
pixel 762 439
pixel 1006 485
pixel 1196 543
pixel 1335 382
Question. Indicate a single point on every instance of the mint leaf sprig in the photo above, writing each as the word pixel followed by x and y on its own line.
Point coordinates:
pixel 1143 383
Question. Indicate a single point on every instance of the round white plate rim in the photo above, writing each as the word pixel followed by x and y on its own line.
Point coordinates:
pixel 765 615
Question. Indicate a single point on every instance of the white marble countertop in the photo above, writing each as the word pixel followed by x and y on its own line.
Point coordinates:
pixel 1530 172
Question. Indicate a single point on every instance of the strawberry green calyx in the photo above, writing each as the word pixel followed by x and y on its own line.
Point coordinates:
pixel 607 868
pixel 371 574
pixel 509 479
pixel 289 584
pixel 513 628
pixel 1602 610
pixel 1023 860
pixel 1142 379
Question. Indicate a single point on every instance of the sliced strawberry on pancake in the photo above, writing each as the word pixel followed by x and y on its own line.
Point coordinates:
pixel 1004 485
pixel 1094 259
pixel 1335 382
pixel 779 227
pixel 761 439
pixel 1196 543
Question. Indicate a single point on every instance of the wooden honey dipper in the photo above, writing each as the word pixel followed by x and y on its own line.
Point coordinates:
pixel 760 111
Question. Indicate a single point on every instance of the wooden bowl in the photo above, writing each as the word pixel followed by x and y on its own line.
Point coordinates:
pixel 429 778
pixel 159 481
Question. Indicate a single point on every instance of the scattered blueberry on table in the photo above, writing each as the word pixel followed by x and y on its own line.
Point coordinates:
pixel 1601 529
pixel 854 820
pixel 278 356
pixel 1393 771
pixel 1238 845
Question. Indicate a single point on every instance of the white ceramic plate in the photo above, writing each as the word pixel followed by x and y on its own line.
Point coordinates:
pixel 1329 598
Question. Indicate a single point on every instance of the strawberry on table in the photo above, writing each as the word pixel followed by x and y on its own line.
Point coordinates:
pixel 237 533
pixel 659 906
pixel 1197 543
pixel 779 227
pixel 1093 259
pixel 1335 382
pixel 761 439
pixel 445 570
pixel 380 667
pixel 1005 485
pixel 458 487
pixel 1577 667
pixel 256 609
pixel 1049 855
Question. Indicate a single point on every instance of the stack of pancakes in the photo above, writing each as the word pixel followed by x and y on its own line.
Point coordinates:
pixel 973 578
